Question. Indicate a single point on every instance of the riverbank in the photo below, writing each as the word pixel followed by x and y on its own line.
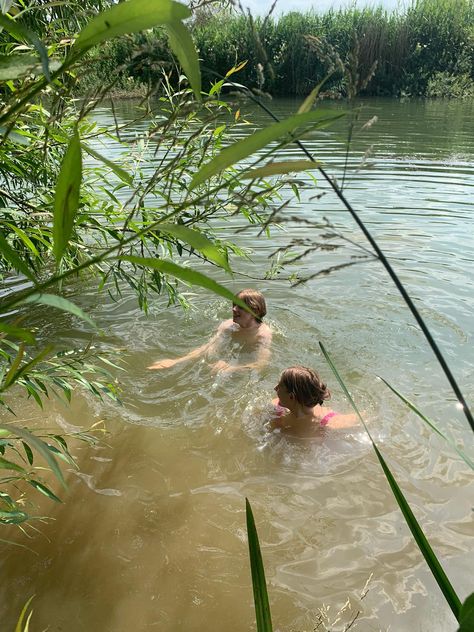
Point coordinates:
pixel 425 51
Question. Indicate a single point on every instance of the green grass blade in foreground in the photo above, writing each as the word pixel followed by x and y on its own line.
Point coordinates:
pixel 466 618
pixel 183 47
pixel 430 423
pixel 39 445
pixel 130 17
pixel 417 532
pixel 279 168
pixel 187 275
pixel 252 143
pixel 67 196
pixel 260 595
pixel 121 173
pixel 312 96
pixel 19 626
pixel 196 240
pixel 421 540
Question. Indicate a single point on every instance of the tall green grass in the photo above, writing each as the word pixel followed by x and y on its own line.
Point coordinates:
pixel 411 48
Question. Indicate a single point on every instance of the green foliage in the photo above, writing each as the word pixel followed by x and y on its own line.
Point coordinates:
pixel 260 595
pixel 448 86
pixel 22 448
pixel 251 144
pixel 410 48
pixel 466 617
pixel 23 625
pixel 65 209
pixel 431 424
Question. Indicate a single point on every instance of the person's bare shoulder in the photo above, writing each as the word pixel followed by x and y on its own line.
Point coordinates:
pixel 264 334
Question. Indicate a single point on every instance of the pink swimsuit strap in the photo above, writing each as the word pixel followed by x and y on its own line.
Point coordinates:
pixel 325 420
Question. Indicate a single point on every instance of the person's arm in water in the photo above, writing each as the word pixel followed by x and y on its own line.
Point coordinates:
pixel 195 353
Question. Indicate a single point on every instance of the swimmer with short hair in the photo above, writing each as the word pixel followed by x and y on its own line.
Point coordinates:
pixel 244 327
pixel 299 409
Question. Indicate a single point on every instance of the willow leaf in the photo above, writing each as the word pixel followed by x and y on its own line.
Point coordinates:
pixel 60 303
pixel 21 33
pixel 15 135
pixel 9 378
pixel 183 47
pixel 198 241
pixel 16 332
pixel 39 445
pixel 430 423
pixel 24 238
pixel 417 532
pixel 16 66
pixel 130 17
pixel 9 465
pixel 12 517
pixel 10 255
pixel 44 490
pixel 279 168
pixel 188 276
pixel 119 171
pixel 67 196
pixel 254 142
pixel 260 595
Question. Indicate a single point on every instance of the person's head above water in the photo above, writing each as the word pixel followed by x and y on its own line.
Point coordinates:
pixel 253 299
pixel 303 386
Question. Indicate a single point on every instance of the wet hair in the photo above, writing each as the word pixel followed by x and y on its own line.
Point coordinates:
pixel 306 385
pixel 254 299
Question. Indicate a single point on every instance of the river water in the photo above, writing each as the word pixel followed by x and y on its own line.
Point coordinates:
pixel 151 535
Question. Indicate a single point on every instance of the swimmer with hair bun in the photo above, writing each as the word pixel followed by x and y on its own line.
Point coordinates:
pixel 299 409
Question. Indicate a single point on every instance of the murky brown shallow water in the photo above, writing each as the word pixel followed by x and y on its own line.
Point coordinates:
pixel 151 535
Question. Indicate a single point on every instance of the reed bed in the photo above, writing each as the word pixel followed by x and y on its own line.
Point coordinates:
pixel 426 49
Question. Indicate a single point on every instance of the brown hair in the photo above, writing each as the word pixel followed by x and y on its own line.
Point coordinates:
pixel 254 299
pixel 305 384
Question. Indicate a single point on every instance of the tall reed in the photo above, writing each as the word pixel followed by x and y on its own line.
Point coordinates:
pixel 411 47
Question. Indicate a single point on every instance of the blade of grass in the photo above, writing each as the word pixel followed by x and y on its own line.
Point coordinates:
pixel 417 532
pixel 260 595
pixel 430 423
pixel 466 618
pixel 19 626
